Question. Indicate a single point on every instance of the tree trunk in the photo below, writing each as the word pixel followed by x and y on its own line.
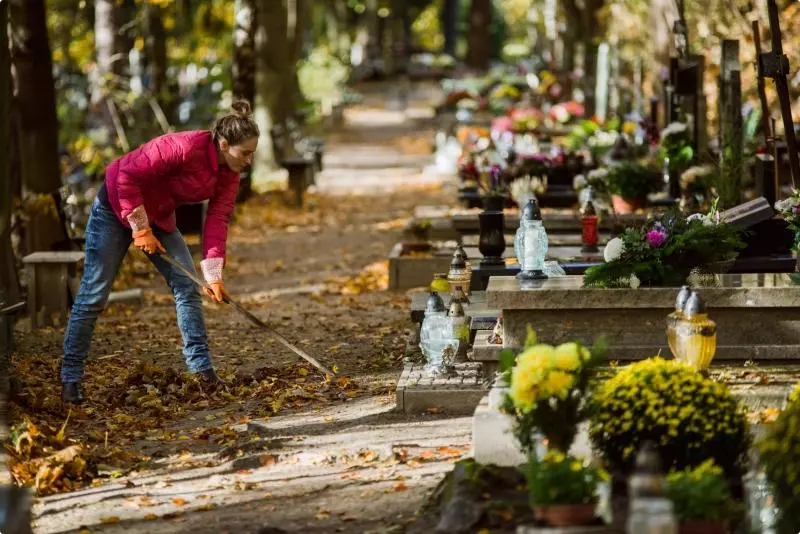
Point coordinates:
pixel 9 283
pixel 272 80
pixel 479 42
pixel 244 58
pixel 297 25
pixel 450 24
pixel 244 67
pixel 157 52
pixel 35 101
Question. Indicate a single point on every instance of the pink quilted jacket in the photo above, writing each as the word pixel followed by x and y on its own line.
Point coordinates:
pixel 176 168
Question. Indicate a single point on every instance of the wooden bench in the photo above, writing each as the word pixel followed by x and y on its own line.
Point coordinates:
pixel 52 280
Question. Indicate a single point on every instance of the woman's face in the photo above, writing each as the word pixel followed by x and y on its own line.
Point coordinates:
pixel 238 157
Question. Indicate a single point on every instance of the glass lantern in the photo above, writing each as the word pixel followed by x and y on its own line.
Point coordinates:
pixel 433 332
pixel 651 512
pixel 674 317
pixel 696 334
pixel 460 249
pixel 460 275
pixel 440 284
pixel 533 243
pixel 458 324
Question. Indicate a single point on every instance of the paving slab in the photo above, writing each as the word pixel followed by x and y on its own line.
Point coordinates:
pixel 529 529
pixel 417 392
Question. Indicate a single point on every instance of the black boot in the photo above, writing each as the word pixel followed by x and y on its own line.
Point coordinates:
pixel 209 376
pixel 71 393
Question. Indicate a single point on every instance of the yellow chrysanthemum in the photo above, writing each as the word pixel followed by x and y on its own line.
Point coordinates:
pixel 557 384
pixel 569 356
pixel 540 354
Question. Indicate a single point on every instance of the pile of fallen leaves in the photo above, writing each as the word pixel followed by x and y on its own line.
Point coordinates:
pixel 132 403
pixel 374 277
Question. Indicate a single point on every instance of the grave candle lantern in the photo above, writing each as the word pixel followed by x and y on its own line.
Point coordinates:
pixel 433 331
pixel 651 512
pixel 696 334
pixel 458 328
pixel 460 249
pixel 459 276
pixel 533 243
pixel 674 317
pixel 589 222
pixel 440 283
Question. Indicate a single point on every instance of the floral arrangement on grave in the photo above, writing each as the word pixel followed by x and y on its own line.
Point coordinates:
pixel 789 208
pixel 549 387
pixel 780 458
pixel 697 187
pixel 454 97
pixel 665 251
pixel 691 418
pixel 565 112
pixel 629 183
pixel 526 188
pixel 593 186
pixel 562 489
pixel 675 147
pixel 702 498
pixel 491 181
pixel 525 119
pixel 469 135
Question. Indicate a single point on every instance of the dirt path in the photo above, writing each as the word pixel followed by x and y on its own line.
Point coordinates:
pixel 333 457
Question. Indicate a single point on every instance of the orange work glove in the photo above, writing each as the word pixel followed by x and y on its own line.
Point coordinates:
pixel 145 240
pixel 217 291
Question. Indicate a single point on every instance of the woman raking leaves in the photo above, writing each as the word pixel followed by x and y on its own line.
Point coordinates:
pixel 137 203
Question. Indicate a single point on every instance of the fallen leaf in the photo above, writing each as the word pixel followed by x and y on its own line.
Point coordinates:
pixel 322 515
pixel 177 501
pixel 109 520
pixel 267 459
pixel 400 486
pixel 150 517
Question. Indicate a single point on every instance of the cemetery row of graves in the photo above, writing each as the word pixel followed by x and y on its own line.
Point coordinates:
pixel 616 303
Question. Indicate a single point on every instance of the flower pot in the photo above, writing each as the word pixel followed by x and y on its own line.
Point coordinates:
pixel 624 206
pixel 565 515
pixel 493 203
pixel 700 526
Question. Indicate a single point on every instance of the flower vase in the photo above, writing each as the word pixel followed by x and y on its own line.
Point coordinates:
pixel 492 241
pixel 624 206
pixel 566 515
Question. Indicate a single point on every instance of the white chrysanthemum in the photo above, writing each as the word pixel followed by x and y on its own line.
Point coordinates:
pixel 673 128
pixel 614 249
pixel 696 217
pixel 579 182
pixel 635 282
pixel 598 174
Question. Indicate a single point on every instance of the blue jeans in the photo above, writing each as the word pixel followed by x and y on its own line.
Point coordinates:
pixel 107 242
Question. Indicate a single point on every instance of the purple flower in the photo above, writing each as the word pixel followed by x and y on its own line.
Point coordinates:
pixel 656 237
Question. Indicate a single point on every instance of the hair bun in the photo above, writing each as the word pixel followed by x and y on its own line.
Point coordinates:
pixel 242 108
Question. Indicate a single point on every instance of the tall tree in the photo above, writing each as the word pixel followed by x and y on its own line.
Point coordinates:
pixel 35 103
pixel 585 24
pixel 450 12
pixel 273 79
pixel 244 65
pixel 479 42
pixel 9 285
pixel 157 54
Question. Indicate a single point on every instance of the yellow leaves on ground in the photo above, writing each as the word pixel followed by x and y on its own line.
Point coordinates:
pixel 374 277
pixel 109 520
pixel 135 402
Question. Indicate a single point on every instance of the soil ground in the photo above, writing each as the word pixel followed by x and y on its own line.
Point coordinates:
pixel 293 452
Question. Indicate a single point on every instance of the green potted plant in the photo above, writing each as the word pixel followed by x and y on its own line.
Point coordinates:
pixel 702 499
pixel 416 237
pixel 562 490
pixel 780 458
pixel 629 183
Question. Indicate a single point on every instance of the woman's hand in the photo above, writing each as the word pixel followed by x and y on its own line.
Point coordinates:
pixel 216 291
pixel 145 240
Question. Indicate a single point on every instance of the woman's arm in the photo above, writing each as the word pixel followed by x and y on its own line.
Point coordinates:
pixel 215 233
pixel 145 166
